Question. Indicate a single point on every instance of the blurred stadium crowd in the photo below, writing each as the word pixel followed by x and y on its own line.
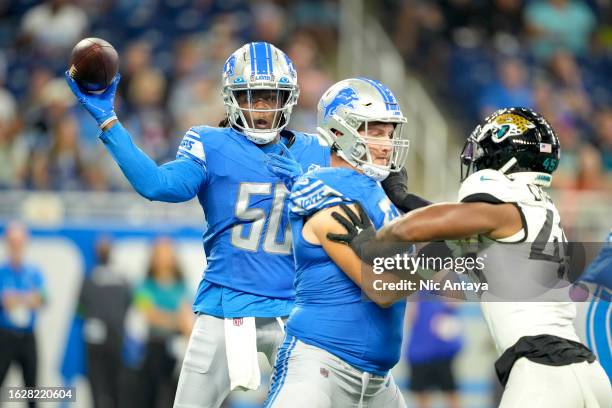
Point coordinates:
pixel 554 56
pixel 172 53
pixel 476 55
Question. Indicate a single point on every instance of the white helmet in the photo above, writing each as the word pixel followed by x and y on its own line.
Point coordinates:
pixel 259 66
pixel 352 103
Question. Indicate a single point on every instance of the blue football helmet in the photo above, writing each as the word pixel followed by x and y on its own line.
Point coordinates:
pixel 350 106
pixel 253 68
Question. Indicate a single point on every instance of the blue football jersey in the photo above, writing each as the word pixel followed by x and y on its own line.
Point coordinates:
pixel 329 310
pixel 248 240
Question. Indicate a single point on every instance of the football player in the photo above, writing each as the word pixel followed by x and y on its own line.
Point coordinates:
pixel 597 324
pixel 339 348
pixel 248 283
pixel 508 160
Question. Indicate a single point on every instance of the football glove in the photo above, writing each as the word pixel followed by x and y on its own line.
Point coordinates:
pixel 284 166
pixel 396 188
pixel 100 106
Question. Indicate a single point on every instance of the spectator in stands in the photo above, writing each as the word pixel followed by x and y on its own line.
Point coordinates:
pixel 559 25
pixel 505 16
pixel 31 104
pixel 313 80
pixel 22 294
pixel 135 61
pixel 13 149
pixel 435 340
pixel 601 164
pixel 61 167
pixel 103 325
pixel 193 88
pixel 163 299
pixel 574 166
pixel 53 28
pixel 420 35
pixel 148 118
pixel 569 87
pixel 269 22
pixel 510 89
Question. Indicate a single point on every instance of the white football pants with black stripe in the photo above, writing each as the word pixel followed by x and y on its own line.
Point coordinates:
pixel 578 385
pixel 204 380
pixel 306 376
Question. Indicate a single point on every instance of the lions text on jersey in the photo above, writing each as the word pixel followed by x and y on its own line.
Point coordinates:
pixel 330 311
pixel 248 240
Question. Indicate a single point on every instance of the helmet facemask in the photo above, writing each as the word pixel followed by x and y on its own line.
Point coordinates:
pixel 258 72
pixel 356 148
pixel 254 121
pixel 471 155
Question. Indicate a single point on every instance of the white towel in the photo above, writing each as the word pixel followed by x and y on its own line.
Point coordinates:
pixel 241 351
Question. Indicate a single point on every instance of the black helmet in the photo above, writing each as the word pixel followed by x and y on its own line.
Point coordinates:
pixel 513 140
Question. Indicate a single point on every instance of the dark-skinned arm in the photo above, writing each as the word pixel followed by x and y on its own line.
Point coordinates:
pixel 447 221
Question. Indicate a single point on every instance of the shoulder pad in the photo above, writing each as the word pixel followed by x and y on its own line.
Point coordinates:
pixel 315 191
pixel 309 138
pixel 200 139
pixel 491 186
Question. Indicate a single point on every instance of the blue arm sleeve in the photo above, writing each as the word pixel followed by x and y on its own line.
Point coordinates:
pixel 176 181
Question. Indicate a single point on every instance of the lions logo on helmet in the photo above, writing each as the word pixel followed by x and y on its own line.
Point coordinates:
pixel 347 108
pixel 228 68
pixel 255 67
pixel 345 97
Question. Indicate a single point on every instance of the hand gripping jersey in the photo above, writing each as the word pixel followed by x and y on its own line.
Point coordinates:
pixel 521 300
pixel 248 241
pixel 330 311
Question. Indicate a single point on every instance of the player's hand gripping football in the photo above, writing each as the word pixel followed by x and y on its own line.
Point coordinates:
pixel 100 106
pixel 284 166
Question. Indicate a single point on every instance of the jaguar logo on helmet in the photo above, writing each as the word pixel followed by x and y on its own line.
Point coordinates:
pixel 512 141
pixel 508 125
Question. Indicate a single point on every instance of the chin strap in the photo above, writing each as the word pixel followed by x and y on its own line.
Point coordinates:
pixel 508 165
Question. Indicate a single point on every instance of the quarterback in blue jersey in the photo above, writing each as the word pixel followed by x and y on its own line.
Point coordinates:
pixel 340 346
pixel 248 284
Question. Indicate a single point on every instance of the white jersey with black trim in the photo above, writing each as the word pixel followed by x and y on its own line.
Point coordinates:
pixel 525 296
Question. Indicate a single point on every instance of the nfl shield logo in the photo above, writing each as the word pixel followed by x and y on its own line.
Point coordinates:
pixel 324 372
pixel 238 321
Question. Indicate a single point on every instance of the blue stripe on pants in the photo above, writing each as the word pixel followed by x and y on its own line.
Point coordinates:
pixel 280 369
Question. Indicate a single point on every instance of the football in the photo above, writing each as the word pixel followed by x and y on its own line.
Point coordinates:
pixel 93 64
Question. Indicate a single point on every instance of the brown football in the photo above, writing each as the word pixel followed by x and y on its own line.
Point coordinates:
pixel 93 64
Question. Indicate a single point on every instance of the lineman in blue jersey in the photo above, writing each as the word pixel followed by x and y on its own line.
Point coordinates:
pixel 340 347
pixel 248 283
